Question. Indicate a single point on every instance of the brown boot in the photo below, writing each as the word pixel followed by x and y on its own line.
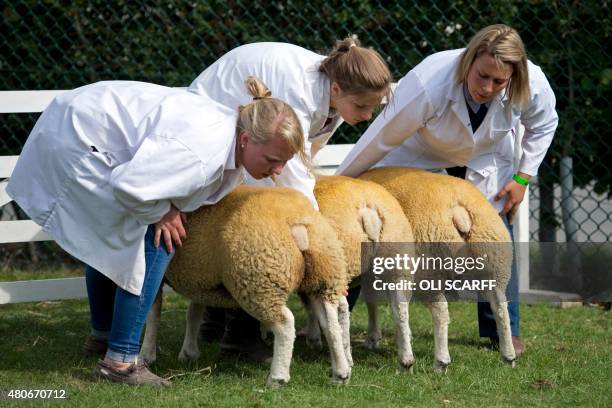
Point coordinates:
pixel 94 346
pixel 519 346
pixel 136 374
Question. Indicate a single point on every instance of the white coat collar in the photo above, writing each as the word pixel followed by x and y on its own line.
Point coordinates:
pixel 459 105
pixel 456 95
pixel 320 86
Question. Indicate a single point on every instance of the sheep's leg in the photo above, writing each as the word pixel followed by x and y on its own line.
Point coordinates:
pixel 400 310
pixel 439 314
pixel 313 331
pixel 148 351
pixel 190 350
pixel 374 333
pixel 284 337
pixel 328 320
pixel 499 306
pixel 265 331
pixel 344 317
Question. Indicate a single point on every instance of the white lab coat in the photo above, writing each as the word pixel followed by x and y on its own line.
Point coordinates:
pixel 106 160
pixel 426 125
pixel 291 73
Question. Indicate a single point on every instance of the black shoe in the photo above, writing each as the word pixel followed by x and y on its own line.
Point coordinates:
pixel 243 338
pixel 213 324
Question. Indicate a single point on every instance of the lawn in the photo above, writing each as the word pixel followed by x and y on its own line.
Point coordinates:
pixel 568 363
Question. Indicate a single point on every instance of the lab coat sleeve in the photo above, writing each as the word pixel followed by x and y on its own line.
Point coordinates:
pixel 408 111
pixel 540 120
pixel 297 176
pixel 162 169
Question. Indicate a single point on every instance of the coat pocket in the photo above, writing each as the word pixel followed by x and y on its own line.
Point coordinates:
pixel 484 165
pixel 111 159
pixel 504 148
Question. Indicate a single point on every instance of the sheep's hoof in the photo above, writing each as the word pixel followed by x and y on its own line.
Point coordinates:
pixel 509 362
pixel 314 342
pixel 276 382
pixel 372 342
pixel 185 355
pixel 440 367
pixel 406 367
pixel 341 379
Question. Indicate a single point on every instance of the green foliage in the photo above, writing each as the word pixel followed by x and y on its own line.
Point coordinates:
pixel 57 44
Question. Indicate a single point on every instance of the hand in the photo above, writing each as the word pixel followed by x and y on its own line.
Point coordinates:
pixel 171 226
pixel 515 193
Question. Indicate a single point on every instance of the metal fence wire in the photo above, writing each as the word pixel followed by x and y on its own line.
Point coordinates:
pixel 55 44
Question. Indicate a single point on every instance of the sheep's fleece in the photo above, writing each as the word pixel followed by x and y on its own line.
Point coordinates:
pixel 363 211
pixel 251 243
pixel 253 249
pixel 446 209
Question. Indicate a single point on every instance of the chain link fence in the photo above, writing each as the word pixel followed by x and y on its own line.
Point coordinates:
pixel 56 44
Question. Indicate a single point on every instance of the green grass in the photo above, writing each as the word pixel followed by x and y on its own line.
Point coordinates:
pixel 568 363
pixel 12 275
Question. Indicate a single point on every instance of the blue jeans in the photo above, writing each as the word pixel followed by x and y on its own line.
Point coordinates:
pixel 119 315
pixel 486 319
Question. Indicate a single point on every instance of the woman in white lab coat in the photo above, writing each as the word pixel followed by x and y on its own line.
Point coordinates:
pixel 346 85
pixel 461 110
pixel 110 168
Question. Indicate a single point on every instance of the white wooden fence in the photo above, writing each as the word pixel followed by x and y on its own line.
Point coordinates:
pixel 71 288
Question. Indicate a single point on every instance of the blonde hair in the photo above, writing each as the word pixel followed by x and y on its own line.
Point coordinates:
pixel 266 118
pixel 357 70
pixel 506 46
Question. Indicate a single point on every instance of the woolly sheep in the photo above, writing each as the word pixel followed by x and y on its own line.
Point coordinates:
pixel 362 211
pixel 252 250
pixel 441 209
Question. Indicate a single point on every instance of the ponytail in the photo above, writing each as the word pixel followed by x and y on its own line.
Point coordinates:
pixel 357 70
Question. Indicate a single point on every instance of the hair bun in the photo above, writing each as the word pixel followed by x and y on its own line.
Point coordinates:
pixel 346 44
pixel 257 89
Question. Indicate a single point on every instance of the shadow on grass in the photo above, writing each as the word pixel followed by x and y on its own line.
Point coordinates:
pixel 478 342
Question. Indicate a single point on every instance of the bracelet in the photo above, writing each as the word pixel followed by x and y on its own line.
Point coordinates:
pixel 520 180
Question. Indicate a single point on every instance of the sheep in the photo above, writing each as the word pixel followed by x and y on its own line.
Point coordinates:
pixel 444 209
pixel 252 250
pixel 362 211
